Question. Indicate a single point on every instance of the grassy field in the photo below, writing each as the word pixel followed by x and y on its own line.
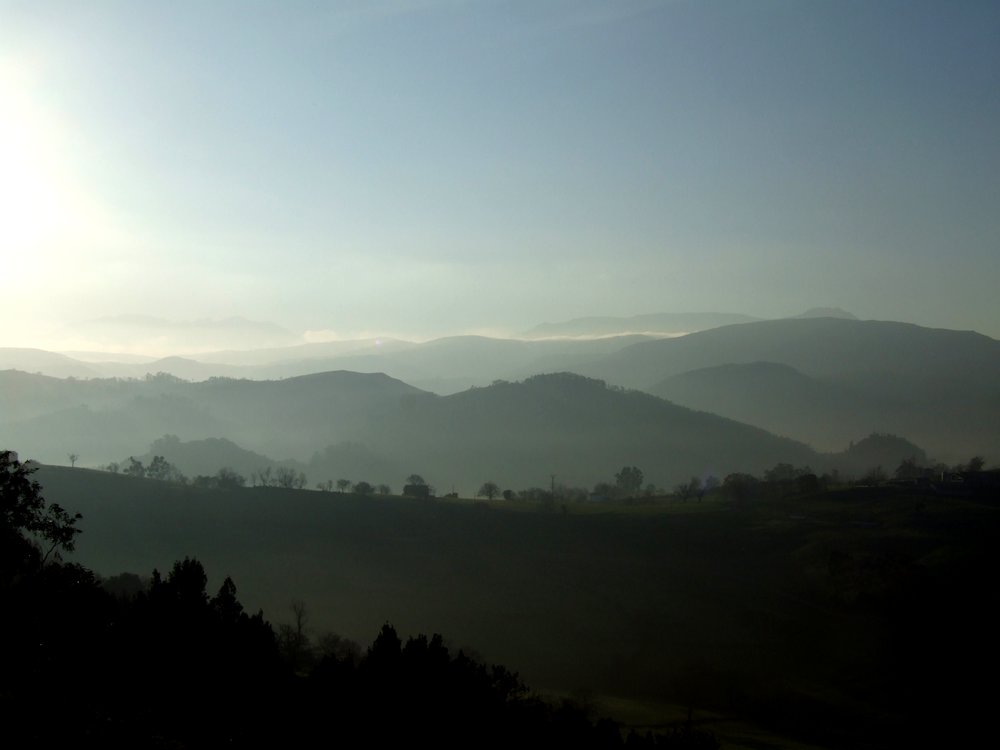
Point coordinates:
pixel 829 620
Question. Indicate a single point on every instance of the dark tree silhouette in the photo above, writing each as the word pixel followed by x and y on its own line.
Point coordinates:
pixel 24 512
pixel 416 490
pixel 289 479
pixel 229 479
pixel 740 486
pixel 225 603
pixel 134 468
pixel 186 583
pixel 263 477
pixel 293 639
pixel 159 468
pixel 628 481
pixel 489 490
pixel 386 648
pixel 975 464
pixel 686 490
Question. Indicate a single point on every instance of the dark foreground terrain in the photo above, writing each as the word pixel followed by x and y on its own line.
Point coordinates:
pixel 857 617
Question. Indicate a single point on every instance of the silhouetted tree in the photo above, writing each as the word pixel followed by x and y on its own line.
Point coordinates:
pixel 186 583
pixel 628 481
pixel 134 468
pixel 489 490
pixel 363 488
pixel 343 484
pixel 293 640
pixel 225 479
pixel 229 479
pixel 25 514
pixel 289 479
pixel 158 468
pixel 225 603
pixel 262 477
pixel 975 464
pixel 780 473
pixel 741 486
pixel 689 489
pixel 164 471
pixel 384 489
pixel 908 469
pixel 386 649
pixel 416 490
pixel 72 459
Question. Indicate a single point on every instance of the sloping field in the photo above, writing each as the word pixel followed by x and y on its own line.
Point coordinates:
pixel 830 618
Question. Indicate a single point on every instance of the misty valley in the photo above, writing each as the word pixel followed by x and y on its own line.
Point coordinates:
pixel 509 374
pixel 764 533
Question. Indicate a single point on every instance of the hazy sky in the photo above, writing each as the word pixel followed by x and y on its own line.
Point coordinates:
pixel 422 168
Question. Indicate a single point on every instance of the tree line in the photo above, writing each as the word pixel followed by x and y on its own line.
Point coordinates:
pixel 283 477
pixel 628 483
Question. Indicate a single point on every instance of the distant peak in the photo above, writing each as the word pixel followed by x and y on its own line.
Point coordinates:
pixel 563 380
pixel 826 312
pixel 647 324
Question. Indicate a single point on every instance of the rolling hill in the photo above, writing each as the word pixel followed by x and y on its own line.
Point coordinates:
pixel 939 388
pixel 578 429
pixel 445 365
pixel 106 419
pixel 517 434
pixel 824 378
pixel 779 399
pixel 41 361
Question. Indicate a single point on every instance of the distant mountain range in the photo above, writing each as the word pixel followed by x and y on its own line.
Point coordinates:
pixel 446 365
pixel 513 433
pixel 663 324
pixel 48 363
pixel 559 427
pixel 821 380
pixel 824 381
pixel 819 347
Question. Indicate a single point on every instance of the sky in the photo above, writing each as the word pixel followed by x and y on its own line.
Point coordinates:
pixel 426 168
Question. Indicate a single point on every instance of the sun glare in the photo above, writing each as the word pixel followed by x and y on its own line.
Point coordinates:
pixel 46 217
pixel 32 209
